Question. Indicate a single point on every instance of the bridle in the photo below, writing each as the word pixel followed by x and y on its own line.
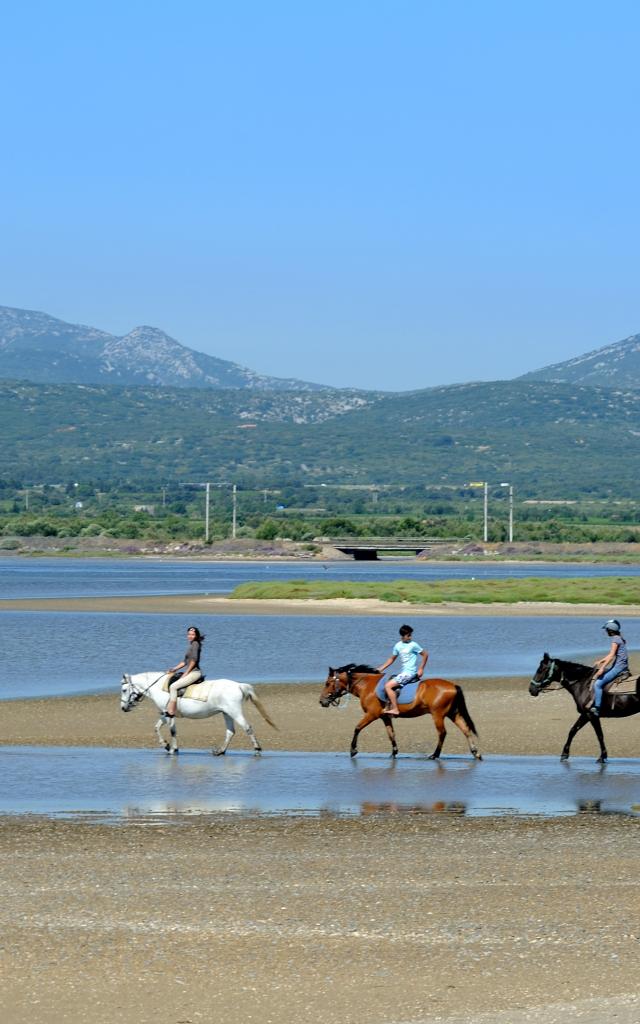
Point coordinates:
pixel 135 695
pixel 341 690
pixel 544 685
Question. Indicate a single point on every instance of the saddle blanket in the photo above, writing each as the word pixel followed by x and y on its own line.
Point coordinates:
pixel 196 691
pixel 622 684
pixel 407 694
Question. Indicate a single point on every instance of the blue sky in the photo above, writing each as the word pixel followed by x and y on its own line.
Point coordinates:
pixel 372 194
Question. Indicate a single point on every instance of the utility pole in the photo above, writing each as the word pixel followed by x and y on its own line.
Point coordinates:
pixel 234 518
pixel 485 503
pixel 486 512
pixel 510 486
pixel 206 512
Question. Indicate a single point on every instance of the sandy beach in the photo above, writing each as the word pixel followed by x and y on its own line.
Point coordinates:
pixel 384 918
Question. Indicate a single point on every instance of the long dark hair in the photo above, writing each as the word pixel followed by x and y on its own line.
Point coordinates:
pixel 200 637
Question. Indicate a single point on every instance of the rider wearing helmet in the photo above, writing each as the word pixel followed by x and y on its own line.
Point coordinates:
pixel 612 665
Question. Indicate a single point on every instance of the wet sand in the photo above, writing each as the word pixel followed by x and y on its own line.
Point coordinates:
pixel 401 919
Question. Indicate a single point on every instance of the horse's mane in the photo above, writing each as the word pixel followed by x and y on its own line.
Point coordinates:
pixel 352 667
pixel 573 664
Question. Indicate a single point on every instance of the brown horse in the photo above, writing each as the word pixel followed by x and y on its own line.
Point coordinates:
pixel 436 697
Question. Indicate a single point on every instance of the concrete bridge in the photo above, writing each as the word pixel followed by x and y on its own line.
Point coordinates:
pixel 367 549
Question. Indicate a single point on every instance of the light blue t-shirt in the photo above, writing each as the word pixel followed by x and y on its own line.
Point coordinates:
pixel 408 654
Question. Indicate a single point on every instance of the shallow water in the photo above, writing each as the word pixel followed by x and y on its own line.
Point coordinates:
pixel 23 578
pixel 140 784
pixel 67 653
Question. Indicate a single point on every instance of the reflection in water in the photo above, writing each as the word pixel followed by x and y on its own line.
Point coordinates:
pixel 439 807
pixel 124 784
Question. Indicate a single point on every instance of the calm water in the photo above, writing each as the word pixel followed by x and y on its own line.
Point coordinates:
pixel 130 784
pixel 103 577
pixel 69 653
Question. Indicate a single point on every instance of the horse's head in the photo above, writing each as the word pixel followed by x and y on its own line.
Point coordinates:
pixel 129 694
pixel 546 673
pixel 335 687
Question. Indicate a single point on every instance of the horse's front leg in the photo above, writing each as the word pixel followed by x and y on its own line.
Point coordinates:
pixel 578 725
pixel 362 724
pixel 158 730
pixel 388 724
pixel 172 746
pixel 597 728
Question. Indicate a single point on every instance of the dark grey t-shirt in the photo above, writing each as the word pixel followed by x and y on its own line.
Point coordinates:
pixel 193 654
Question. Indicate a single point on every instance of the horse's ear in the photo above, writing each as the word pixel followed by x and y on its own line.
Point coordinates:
pixel 330 670
pixel 545 657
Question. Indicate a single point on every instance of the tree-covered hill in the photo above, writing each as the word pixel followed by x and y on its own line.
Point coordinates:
pixel 551 440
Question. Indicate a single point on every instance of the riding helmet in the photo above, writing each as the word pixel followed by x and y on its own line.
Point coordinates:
pixel 612 626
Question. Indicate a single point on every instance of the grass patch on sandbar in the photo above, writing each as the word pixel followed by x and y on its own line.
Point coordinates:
pixel 621 590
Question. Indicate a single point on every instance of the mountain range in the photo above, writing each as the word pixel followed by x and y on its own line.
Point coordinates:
pixel 37 347
pixel 565 431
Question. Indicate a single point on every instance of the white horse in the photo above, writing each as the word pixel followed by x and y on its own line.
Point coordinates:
pixel 213 696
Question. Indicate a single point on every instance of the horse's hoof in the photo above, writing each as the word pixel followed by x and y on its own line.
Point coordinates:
pixel 167 748
pixel 601 760
pixel 564 757
pixel 433 757
pixel 478 757
pixel 352 753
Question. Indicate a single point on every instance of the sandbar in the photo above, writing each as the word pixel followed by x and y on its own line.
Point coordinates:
pixel 211 604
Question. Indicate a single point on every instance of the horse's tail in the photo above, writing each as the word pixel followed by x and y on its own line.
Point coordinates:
pixel 460 708
pixel 248 693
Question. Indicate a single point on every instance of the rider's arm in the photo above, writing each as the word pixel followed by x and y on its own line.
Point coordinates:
pixel 609 659
pixel 423 662
pixel 389 661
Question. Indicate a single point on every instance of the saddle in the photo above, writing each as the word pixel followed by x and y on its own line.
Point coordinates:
pixel 194 691
pixel 624 683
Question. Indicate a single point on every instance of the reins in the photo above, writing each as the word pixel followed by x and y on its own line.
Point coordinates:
pixel 548 681
pixel 143 693
pixel 346 688
pixel 547 684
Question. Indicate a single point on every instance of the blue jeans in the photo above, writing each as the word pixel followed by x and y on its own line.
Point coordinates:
pixel 600 684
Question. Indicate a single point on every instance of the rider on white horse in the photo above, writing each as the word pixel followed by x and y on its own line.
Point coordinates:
pixel 191 665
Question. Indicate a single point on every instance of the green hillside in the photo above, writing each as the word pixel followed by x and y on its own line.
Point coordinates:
pixel 555 440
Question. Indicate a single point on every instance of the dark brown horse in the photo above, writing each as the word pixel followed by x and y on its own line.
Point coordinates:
pixel 555 674
pixel 436 697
